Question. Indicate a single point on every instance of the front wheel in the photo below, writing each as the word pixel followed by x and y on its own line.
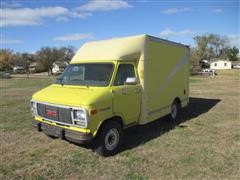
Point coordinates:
pixel 110 139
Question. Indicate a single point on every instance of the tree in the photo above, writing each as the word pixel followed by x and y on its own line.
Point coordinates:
pixel 6 56
pixel 201 46
pixel 194 61
pixel 210 46
pixel 217 43
pixel 68 53
pixel 27 59
pixel 224 53
pixel 21 59
pixel 232 54
pixel 17 60
pixel 47 56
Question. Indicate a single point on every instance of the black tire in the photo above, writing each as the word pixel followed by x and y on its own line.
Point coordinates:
pixel 176 111
pixel 110 138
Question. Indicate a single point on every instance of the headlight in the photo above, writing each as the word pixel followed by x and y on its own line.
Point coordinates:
pixel 79 114
pixel 79 117
pixel 34 108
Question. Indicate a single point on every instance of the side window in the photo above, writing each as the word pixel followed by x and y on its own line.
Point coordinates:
pixel 124 71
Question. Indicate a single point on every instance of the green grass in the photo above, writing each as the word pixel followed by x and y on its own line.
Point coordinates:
pixel 205 145
pixel 15 97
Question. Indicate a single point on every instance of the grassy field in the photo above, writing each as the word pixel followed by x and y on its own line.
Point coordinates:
pixel 205 145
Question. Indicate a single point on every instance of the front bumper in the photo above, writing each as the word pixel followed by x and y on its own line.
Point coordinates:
pixel 66 134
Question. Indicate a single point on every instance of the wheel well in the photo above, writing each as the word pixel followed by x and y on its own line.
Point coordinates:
pixel 177 100
pixel 115 118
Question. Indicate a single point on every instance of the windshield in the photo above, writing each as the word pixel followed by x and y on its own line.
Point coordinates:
pixel 89 74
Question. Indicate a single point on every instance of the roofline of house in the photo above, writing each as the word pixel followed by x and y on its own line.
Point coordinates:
pixel 219 60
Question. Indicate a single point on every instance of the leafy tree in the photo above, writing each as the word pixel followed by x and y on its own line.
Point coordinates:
pixel 232 54
pixel 6 56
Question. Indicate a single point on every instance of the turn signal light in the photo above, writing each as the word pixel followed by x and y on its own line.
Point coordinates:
pixel 93 111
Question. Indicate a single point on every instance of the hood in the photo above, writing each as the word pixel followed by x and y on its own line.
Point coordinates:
pixel 70 95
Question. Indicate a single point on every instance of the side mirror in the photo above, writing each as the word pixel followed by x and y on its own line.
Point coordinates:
pixel 131 81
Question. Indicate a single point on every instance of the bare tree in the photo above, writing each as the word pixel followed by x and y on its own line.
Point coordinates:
pixel 68 53
pixel 46 56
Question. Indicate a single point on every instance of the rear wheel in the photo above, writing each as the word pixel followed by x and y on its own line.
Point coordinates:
pixel 110 139
pixel 175 111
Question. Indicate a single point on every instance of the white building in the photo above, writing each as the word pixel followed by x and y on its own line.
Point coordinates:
pixel 220 64
pixel 18 69
pixel 58 67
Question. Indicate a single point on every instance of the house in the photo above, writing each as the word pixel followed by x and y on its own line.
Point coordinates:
pixel 36 67
pixel 18 69
pixel 59 66
pixel 33 67
pixel 220 64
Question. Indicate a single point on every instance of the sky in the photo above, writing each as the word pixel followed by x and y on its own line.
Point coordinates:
pixel 28 25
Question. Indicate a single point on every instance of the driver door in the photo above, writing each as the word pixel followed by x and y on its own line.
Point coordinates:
pixel 126 98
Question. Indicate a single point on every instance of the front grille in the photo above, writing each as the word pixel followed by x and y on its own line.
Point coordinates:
pixel 58 114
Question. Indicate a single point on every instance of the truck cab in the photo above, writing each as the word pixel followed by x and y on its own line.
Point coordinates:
pixel 85 98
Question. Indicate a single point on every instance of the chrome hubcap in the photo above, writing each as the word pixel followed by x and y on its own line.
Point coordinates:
pixel 111 139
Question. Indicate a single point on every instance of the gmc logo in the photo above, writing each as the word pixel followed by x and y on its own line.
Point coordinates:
pixel 51 113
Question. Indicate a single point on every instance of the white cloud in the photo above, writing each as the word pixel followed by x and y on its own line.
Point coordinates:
pixel 168 32
pixel 75 14
pixel 11 41
pixel 217 11
pixel 234 40
pixel 175 10
pixel 28 16
pixel 35 16
pixel 74 37
pixel 104 5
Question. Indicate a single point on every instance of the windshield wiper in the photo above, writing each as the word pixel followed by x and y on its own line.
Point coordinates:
pixel 83 83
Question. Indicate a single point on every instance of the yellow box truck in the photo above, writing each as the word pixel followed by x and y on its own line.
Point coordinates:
pixel 111 85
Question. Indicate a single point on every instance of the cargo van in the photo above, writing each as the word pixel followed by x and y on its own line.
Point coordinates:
pixel 111 85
